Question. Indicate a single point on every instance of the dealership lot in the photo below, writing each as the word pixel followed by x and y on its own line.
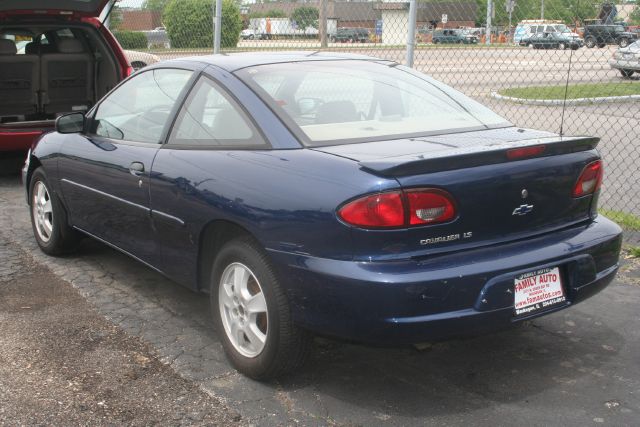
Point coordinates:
pixel 571 368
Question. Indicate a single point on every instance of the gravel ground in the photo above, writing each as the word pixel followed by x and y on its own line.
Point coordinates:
pixel 61 363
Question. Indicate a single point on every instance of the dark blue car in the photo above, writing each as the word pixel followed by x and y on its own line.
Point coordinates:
pixel 326 193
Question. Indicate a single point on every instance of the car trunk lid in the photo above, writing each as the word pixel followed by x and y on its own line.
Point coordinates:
pixel 499 198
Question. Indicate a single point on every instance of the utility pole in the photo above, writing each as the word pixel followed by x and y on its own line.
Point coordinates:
pixel 217 25
pixel 488 30
pixel 322 17
pixel 411 34
pixel 542 9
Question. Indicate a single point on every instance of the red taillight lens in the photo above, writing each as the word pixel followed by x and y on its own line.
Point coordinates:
pixel 377 210
pixel 387 210
pixel 525 152
pixel 129 71
pixel 430 206
pixel 590 179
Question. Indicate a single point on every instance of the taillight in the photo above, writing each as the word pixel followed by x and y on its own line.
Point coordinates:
pixel 398 209
pixel 377 210
pixel 525 152
pixel 590 179
pixel 430 206
pixel 130 71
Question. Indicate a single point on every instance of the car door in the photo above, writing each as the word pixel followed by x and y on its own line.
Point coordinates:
pixel 104 172
pixel 212 138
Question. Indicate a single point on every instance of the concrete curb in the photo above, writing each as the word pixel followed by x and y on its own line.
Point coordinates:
pixel 575 101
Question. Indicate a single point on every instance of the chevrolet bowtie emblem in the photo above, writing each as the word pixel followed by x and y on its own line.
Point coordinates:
pixel 522 210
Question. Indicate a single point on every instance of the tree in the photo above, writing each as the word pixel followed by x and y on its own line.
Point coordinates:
pixel 157 5
pixel 189 23
pixel 305 17
pixel 567 11
pixel 634 17
pixel 115 18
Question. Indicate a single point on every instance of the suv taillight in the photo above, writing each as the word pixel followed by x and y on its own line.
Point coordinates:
pixel 590 179
pixel 398 209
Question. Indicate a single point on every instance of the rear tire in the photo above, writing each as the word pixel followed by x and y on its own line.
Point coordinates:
pixel 623 42
pixel 590 42
pixel 601 45
pixel 627 73
pixel 562 46
pixel 252 315
pixel 49 218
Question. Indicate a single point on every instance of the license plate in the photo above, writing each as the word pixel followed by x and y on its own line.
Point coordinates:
pixel 538 290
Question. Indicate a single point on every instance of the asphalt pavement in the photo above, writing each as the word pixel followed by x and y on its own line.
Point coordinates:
pixel 576 367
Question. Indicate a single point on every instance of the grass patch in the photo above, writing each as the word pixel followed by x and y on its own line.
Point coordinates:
pixel 592 90
pixel 634 252
pixel 625 220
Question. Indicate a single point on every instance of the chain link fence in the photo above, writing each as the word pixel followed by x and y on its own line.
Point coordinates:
pixel 567 66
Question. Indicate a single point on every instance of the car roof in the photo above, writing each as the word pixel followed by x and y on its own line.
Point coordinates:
pixel 235 61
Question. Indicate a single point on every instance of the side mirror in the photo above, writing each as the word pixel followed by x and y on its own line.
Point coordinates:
pixel 70 123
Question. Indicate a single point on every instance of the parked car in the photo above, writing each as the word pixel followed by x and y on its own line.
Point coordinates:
pixel 306 196
pixel 140 60
pixel 627 59
pixel 454 36
pixel 552 41
pixel 529 27
pixel 354 35
pixel 602 35
pixel 249 34
pixel 57 70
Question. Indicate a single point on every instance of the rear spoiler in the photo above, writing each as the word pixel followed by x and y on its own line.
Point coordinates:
pixel 467 157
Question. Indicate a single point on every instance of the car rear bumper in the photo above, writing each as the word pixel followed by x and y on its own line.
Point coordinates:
pixel 457 294
pixel 17 139
pixel 621 64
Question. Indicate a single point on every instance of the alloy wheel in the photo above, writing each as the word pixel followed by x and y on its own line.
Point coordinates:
pixel 243 309
pixel 42 211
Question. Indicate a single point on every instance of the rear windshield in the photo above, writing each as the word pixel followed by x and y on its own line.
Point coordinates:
pixel 338 102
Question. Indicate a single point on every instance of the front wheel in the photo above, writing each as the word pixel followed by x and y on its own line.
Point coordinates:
pixel 562 46
pixel 590 42
pixel 252 314
pixel 49 219
pixel 623 42
pixel 627 73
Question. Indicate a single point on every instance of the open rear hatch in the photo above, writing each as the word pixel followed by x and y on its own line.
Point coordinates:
pixel 505 183
pixel 85 8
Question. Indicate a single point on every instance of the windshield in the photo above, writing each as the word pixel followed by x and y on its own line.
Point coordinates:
pixel 337 102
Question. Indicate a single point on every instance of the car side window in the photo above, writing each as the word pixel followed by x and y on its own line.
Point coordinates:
pixel 139 109
pixel 210 117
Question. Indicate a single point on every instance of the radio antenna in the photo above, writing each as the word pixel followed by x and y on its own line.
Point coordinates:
pixel 566 90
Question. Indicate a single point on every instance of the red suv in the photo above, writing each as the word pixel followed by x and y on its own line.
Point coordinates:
pixel 52 61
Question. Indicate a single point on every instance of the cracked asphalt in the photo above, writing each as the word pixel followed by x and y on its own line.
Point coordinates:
pixel 574 368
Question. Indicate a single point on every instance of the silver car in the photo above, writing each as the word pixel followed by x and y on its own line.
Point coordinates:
pixel 627 59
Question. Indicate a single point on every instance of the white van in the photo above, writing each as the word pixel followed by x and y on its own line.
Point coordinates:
pixel 529 27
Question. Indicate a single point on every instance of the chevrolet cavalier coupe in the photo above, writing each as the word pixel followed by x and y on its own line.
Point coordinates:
pixel 320 193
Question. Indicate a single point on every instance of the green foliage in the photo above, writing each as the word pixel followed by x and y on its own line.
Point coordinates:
pixel 624 219
pixel 586 90
pixel 115 18
pixel 189 23
pixel 567 11
pixel 273 13
pixel 157 5
pixel 634 17
pixel 131 39
pixel 634 252
pixel 305 16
